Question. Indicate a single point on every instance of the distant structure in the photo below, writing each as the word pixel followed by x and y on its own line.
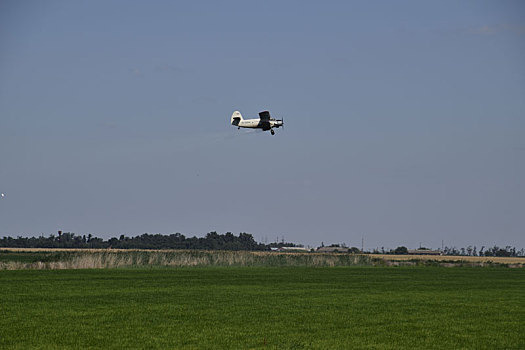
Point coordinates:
pixel 424 252
pixel 332 249
pixel 290 249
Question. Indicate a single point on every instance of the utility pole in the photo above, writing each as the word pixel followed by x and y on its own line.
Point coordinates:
pixel 362 244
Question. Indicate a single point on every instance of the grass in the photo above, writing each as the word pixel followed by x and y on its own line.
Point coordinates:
pixel 447 258
pixel 25 257
pixel 77 259
pixel 261 307
pixel 18 259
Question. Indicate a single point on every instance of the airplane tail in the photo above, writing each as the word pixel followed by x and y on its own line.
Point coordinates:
pixel 236 118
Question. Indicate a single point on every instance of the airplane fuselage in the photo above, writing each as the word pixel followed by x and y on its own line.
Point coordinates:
pixel 257 124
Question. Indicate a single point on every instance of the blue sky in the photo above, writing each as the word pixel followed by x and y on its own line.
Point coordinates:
pixel 404 120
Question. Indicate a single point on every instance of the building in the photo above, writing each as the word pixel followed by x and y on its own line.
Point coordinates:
pixel 333 249
pixel 291 249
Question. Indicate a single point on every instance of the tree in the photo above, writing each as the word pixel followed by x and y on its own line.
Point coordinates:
pixel 401 250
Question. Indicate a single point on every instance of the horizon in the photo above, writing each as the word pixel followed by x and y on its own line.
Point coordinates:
pixel 365 249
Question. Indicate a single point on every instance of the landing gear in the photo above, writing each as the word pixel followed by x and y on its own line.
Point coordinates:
pixel 273 132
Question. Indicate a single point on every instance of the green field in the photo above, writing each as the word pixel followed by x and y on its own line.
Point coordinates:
pixel 258 307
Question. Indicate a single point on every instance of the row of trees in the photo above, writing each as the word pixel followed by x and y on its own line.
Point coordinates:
pixel 484 251
pixel 469 251
pixel 212 241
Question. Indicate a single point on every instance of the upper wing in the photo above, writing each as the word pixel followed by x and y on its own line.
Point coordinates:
pixel 265 115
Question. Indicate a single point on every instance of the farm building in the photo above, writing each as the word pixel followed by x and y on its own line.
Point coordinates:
pixel 332 249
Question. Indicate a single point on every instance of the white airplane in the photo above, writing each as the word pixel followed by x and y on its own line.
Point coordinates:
pixel 264 122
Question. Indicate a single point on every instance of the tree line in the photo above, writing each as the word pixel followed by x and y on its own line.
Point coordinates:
pixel 507 251
pixel 212 241
pixel 485 251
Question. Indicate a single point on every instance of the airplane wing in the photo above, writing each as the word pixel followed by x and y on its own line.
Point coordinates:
pixel 265 125
pixel 265 116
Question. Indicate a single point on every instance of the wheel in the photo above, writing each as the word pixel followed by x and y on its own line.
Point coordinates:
pixel 273 132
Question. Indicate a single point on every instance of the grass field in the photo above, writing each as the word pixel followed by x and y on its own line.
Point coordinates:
pixel 264 307
pixel 446 258
pixel 87 259
pixel 20 259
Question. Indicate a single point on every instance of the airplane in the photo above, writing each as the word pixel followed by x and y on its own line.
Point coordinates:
pixel 265 122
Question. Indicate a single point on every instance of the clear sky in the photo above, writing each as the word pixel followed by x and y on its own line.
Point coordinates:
pixel 404 121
